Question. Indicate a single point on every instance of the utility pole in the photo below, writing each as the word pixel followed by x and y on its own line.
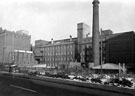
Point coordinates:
pixel 101 43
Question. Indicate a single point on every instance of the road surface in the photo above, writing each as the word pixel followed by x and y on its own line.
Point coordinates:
pixel 13 90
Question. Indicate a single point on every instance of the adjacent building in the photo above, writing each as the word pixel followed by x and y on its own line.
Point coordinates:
pixel 11 41
pixel 120 48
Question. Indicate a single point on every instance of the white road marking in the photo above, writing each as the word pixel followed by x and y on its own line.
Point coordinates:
pixel 23 88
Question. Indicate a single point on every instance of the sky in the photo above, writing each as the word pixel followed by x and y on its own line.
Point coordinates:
pixel 57 19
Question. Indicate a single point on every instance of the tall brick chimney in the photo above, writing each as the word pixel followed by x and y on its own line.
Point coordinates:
pixel 95 33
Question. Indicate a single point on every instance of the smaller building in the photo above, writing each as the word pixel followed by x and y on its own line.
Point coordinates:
pixel 22 58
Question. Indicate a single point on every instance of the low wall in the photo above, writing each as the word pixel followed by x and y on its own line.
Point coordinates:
pixel 60 87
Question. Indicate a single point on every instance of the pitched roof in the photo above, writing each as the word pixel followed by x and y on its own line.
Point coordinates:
pixel 108 66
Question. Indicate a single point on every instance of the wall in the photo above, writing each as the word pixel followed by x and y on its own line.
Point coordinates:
pixel 119 49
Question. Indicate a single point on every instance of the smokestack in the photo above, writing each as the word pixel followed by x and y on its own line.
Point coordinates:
pixel 70 38
pixel 95 33
pixel 87 35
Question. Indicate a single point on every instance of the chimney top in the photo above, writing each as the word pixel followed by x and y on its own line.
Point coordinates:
pixel 52 40
pixel 70 38
pixel 95 1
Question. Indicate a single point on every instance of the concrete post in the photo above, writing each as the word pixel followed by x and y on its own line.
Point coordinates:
pixel 95 33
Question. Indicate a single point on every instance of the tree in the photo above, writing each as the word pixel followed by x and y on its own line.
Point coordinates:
pixel 77 56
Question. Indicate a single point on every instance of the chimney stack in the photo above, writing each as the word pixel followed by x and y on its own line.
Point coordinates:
pixel 87 35
pixel 70 38
pixel 95 33
pixel 52 41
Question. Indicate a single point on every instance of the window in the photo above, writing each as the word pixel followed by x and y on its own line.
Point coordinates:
pixel 71 52
pixel 67 58
pixel 68 53
pixel 70 58
pixel 61 47
pixel 87 46
pixel 65 53
pixel 70 46
pixel 65 46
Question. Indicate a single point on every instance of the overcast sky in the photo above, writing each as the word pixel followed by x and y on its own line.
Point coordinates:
pixel 57 19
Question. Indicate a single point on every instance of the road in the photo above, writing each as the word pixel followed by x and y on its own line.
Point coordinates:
pixel 13 85
pixel 13 90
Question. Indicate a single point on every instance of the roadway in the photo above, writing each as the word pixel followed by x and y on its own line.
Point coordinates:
pixel 14 85
pixel 22 87
pixel 13 90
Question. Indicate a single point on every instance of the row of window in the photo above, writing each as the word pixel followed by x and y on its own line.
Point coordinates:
pixel 18 36
pixel 58 59
pixel 57 47
pixel 86 46
pixel 86 52
pixel 58 53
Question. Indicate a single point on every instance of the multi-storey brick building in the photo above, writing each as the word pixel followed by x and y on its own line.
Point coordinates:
pixel 55 53
pixel 119 46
